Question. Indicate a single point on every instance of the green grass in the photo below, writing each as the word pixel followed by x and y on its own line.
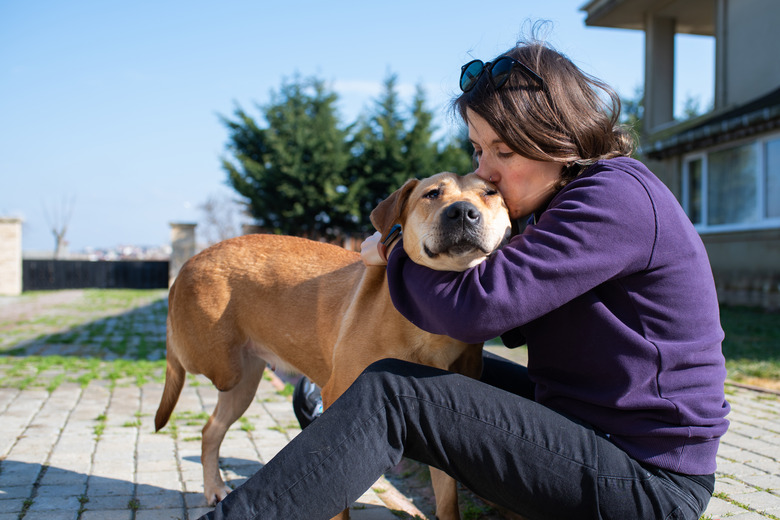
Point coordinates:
pixel 100 427
pixel 97 328
pixel 110 322
pixel 287 391
pixel 49 372
pixel 752 344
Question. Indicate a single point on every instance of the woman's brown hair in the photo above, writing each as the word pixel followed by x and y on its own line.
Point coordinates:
pixel 566 120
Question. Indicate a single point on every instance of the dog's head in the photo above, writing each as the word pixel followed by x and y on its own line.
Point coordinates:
pixel 449 222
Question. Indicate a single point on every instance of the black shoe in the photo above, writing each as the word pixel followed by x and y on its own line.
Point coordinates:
pixel 307 402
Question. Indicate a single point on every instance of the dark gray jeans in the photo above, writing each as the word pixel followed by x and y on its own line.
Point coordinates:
pixel 487 434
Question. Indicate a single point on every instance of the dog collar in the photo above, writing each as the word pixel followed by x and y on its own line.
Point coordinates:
pixel 393 235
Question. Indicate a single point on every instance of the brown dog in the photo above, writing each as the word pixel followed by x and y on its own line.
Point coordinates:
pixel 317 309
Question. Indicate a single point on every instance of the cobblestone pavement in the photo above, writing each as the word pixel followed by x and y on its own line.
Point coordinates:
pixel 77 441
pixel 77 409
pixel 91 453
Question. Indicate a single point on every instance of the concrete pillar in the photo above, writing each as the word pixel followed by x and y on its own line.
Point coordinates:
pixel 182 247
pixel 659 71
pixel 721 58
pixel 10 256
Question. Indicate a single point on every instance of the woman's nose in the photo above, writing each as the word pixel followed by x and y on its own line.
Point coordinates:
pixel 486 173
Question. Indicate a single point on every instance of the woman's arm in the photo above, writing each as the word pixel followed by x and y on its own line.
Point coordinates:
pixel 597 228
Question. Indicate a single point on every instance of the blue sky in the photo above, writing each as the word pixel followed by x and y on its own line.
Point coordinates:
pixel 112 108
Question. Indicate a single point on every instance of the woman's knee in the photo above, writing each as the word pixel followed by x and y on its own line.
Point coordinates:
pixel 387 365
pixel 392 377
pixel 383 375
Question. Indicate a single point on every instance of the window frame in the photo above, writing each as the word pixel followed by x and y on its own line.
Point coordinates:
pixel 761 178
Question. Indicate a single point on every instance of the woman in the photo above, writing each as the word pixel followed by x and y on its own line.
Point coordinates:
pixel 619 412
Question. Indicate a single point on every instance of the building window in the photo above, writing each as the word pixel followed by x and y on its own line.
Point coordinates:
pixel 693 188
pixel 731 186
pixel 734 187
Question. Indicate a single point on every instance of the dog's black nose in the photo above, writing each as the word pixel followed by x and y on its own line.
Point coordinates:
pixel 464 212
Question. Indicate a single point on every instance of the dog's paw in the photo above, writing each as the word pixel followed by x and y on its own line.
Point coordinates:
pixel 216 495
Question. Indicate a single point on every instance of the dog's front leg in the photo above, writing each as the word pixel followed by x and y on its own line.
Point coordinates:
pixel 446 490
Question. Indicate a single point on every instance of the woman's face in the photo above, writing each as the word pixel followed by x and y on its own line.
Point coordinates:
pixel 525 184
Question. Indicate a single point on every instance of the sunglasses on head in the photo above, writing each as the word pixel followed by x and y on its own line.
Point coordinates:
pixel 498 73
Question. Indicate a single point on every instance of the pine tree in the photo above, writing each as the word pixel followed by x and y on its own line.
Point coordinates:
pixel 388 149
pixel 420 150
pixel 377 166
pixel 292 171
pixel 303 174
pixel 456 155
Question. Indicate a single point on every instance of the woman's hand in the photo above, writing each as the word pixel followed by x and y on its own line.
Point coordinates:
pixel 373 251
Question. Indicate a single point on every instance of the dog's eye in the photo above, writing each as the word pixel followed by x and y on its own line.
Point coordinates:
pixel 433 194
pixel 490 193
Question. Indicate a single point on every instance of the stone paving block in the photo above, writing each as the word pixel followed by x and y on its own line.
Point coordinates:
pixel 101 486
pixel 736 469
pixel 163 462
pixel 165 499
pixel 168 479
pixel 161 514
pixel 109 502
pixel 767 465
pixel 7 396
pixel 10 492
pixel 720 508
pixel 758 500
pixel 55 503
pixel 101 473
pixel 194 514
pixel 30 451
pixel 758 445
pixel 371 513
pixel 194 500
pixel 51 515
pixel 17 473
pixel 61 491
pixel 194 485
pixel 118 438
pixel 70 467
pixel 749 515
pixel 107 515
pixel 769 482
pixel 730 486
pixel 192 472
pixel 14 505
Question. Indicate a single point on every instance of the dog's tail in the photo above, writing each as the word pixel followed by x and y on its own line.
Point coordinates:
pixel 174 382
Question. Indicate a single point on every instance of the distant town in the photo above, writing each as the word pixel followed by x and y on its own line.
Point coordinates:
pixel 121 252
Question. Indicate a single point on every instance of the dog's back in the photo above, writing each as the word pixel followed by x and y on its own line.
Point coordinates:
pixel 286 282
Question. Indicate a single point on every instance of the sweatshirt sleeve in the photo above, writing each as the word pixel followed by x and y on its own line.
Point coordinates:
pixel 599 227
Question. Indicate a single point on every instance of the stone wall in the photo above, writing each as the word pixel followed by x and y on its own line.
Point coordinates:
pixel 749 289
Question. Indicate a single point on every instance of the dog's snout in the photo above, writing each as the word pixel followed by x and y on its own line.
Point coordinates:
pixel 463 211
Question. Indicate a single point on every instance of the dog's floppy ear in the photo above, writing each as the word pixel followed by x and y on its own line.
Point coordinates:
pixel 390 210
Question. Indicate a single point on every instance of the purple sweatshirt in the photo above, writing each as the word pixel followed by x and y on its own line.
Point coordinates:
pixel 613 293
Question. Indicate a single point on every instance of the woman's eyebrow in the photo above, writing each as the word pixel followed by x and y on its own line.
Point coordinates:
pixel 494 141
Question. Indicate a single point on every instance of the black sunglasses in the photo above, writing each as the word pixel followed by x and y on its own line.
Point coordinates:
pixel 498 73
